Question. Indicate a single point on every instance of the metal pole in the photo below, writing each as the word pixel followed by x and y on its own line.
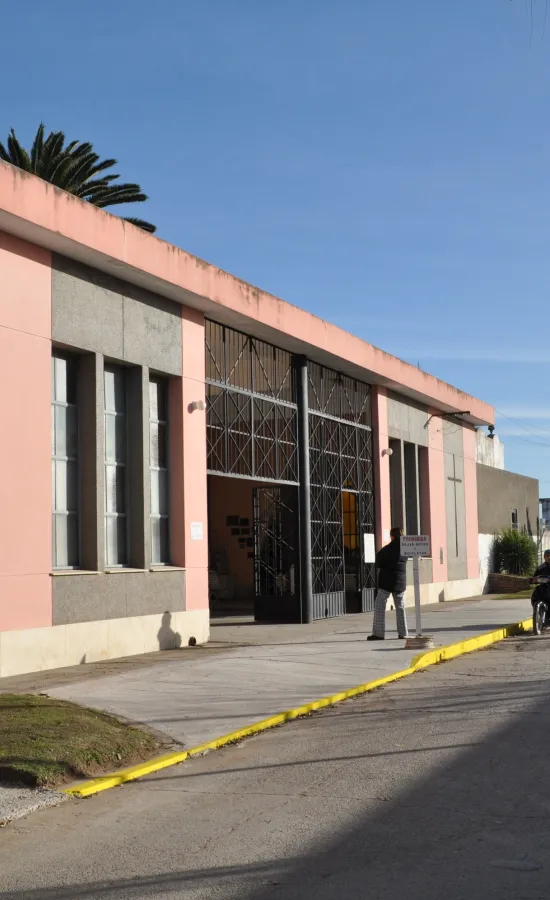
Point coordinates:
pixel 306 584
pixel 416 575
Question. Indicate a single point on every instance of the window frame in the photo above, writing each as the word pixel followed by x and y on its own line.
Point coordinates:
pixel 121 370
pixel 72 360
pixel 164 383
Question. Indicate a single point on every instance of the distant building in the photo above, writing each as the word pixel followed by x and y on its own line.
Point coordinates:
pixel 505 499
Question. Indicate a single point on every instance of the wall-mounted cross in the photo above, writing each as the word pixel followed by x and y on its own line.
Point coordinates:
pixel 455 481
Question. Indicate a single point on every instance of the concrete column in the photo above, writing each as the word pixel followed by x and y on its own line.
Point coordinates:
pixel 188 493
pixel 139 526
pixel 91 427
pixel 437 506
pixel 470 501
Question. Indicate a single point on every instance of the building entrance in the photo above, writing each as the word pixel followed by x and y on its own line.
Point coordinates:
pixel 291 487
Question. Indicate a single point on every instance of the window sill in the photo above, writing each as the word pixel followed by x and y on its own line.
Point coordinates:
pixel 167 569
pixel 60 572
pixel 123 570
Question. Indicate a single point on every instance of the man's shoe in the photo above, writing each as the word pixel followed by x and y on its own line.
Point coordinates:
pixel 374 637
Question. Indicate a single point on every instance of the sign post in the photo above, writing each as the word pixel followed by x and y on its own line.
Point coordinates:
pixel 416 546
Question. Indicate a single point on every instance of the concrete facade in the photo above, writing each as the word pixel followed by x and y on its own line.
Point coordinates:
pixel 101 319
pixel 499 493
pixel 80 281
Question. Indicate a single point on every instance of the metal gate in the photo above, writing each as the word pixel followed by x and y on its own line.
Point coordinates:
pixel 341 461
pixel 276 556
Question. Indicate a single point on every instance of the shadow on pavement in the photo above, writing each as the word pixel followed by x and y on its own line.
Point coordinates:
pixel 478 828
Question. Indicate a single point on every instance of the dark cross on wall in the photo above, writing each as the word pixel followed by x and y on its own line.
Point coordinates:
pixel 455 481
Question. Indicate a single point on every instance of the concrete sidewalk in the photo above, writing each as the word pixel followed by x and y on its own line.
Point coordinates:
pixel 194 699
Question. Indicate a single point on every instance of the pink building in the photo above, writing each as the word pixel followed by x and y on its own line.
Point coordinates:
pixel 130 506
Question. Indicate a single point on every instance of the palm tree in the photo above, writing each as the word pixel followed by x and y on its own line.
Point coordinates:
pixel 74 169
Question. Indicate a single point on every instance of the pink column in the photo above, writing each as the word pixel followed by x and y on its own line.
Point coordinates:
pixel 470 501
pixel 437 507
pixel 381 463
pixel 25 446
pixel 189 514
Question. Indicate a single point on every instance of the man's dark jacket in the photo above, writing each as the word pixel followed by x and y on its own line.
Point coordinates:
pixel 392 576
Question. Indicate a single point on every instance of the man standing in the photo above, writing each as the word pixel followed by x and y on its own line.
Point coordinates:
pixel 392 579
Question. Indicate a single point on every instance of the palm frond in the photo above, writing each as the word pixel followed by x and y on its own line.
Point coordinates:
pixel 141 223
pixel 37 146
pixel 75 168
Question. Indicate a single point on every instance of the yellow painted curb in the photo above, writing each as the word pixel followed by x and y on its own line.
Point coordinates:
pixel 422 661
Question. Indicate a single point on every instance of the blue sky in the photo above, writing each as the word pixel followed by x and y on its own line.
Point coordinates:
pixel 383 163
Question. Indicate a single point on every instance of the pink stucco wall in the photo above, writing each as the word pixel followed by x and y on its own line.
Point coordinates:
pixel 25 445
pixel 470 501
pixel 437 506
pixel 381 464
pixel 188 450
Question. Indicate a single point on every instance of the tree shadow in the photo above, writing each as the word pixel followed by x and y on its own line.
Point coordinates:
pixel 473 824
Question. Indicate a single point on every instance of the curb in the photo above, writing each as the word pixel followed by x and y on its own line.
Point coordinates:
pixel 420 662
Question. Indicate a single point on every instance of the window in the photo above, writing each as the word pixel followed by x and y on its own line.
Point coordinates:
pixel 65 544
pixel 116 543
pixel 515 522
pixel 158 456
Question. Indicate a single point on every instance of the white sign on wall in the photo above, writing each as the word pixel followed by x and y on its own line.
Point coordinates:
pixel 369 550
pixel 197 531
pixel 415 545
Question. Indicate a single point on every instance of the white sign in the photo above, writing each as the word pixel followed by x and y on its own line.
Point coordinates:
pixel 369 550
pixel 415 545
pixel 196 531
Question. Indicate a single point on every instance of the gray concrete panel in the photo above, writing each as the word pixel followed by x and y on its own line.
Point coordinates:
pixel 90 598
pixel 152 334
pixel 406 420
pixel 93 311
pixel 87 312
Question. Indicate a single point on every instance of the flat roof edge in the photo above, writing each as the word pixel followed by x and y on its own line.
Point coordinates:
pixel 35 211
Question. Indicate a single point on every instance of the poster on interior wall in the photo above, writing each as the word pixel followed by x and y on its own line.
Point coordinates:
pixel 369 550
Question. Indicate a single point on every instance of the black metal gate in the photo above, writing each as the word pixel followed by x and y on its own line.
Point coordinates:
pixel 340 451
pixel 276 556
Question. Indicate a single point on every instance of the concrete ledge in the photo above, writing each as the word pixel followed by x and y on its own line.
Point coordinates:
pixel 37 649
pixel 420 662
pixel 443 591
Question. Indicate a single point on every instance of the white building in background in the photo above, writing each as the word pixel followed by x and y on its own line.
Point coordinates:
pixel 489 450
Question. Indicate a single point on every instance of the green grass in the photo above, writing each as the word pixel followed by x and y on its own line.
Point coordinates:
pixel 519 596
pixel 48 742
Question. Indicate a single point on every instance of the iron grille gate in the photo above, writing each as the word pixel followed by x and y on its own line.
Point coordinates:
pixel 252 432
pixel 340 442
pixel 276 554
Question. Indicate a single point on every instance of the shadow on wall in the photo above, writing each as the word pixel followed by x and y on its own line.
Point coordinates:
pixel 168 638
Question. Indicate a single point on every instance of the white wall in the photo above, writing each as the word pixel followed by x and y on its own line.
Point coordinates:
pixel 485 549
pixel 489 451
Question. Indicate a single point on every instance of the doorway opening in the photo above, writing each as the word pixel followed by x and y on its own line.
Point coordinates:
pixel 352 552
pixel 253 549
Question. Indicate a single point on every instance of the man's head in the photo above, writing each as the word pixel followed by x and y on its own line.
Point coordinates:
pixel 396 533
pixel 547 557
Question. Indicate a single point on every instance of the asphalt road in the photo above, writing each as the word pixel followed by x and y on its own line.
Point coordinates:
pixel 437 786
